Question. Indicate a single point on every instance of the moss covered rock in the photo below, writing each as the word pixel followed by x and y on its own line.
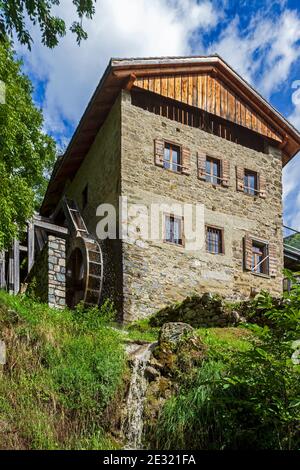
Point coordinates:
pixel 197 311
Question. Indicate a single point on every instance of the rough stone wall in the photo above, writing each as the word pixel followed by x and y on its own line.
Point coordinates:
pixel 156 273
pixel 47 279
pixel 100 170
pixel 56 272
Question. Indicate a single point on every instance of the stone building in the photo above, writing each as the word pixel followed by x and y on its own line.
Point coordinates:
pixel 171 132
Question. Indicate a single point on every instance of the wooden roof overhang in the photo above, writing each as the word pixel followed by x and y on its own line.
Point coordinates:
pixel 124 73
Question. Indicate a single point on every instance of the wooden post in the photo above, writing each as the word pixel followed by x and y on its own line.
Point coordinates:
pixel 30 253
pixel 16 248
pixel 14 268
pixel 2 269
pixel 11 271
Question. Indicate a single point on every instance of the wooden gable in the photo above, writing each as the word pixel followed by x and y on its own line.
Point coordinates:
pixel 210 94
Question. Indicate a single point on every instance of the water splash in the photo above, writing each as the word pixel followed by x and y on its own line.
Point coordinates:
pixel 134 422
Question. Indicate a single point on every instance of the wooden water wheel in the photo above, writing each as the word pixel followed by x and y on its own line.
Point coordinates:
pixel 84 272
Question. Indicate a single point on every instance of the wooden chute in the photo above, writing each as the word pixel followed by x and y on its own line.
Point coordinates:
pixel 84 267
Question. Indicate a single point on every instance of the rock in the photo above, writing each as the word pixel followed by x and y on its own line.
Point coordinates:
pixel 174 332
pixel 156 364
pixel 151 373
pixel 194 311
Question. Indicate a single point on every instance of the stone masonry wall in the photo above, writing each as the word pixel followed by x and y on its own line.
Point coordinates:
pixel 156 273
pixel 100 170
pixel 56 272
pixel 47 279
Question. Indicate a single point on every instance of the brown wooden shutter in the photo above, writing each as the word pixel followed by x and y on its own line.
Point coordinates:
pixel 262 186
pixel 159 149
pixel 186 161
pixel 225 172
pixel 248 253
pixel 272 260
pixel 201 163
pixel 239 178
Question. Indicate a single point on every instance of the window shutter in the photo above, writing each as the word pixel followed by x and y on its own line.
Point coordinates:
pixel 247 253
pixel 272 260
pixel 201 163
pixel 239 178
pixel 262 186
pixel 225 172
pixel 159 148
pixel 186 161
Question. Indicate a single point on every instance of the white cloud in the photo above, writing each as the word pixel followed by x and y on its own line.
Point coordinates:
pixel 118 29
pixel 291 194
pixel 265 52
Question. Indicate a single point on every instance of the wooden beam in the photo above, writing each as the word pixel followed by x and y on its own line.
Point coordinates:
pixel 30 241
pixel 130 82
pixel 14 268
pixel 11 271
pixel 141 72
pixel 16 250
pixel 46 224
pixel 2 269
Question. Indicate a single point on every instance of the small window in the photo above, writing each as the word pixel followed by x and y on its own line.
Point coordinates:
pixel 173 229
pixel 85 197
pixel 172 158
pixel 213 170
pixel 260 258
pixel 250 182
pixel 214 240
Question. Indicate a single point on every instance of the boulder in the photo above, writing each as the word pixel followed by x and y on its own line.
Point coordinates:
pixel 174 332
pixel 197 311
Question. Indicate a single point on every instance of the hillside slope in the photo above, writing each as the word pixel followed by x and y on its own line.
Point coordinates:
pixel 63 369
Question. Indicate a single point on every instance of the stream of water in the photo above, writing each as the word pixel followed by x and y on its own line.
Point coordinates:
pixel 134 423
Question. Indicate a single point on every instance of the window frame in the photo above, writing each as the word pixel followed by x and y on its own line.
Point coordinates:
pixel 266 257
pixel 210 176
pixel 222 239
pixel 179 165
pixel 181 219
pixel 247 189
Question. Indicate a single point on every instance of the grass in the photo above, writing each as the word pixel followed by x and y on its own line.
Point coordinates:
pixel 141 330
pixel 225 341
pixel 63 369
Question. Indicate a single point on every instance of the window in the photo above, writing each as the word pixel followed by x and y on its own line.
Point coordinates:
pixel 260 258
pixel 172 158
pixel 213 170
pixel 85 197
pixel 173 229
pixel 250 182
pixel 214 240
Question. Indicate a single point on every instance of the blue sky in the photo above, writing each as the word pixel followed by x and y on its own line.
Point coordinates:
pixel 259 39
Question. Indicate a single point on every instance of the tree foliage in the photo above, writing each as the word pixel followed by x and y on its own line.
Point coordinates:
pixel 16 14
pixel 26 152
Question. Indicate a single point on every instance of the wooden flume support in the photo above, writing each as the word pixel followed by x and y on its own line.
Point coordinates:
pixel 84 260
pixel 84 266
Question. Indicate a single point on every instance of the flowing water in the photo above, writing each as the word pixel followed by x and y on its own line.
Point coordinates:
pixel 133 424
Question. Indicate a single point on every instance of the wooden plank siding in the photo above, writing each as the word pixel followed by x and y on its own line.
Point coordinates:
pixel 209 94
pixel 195 117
